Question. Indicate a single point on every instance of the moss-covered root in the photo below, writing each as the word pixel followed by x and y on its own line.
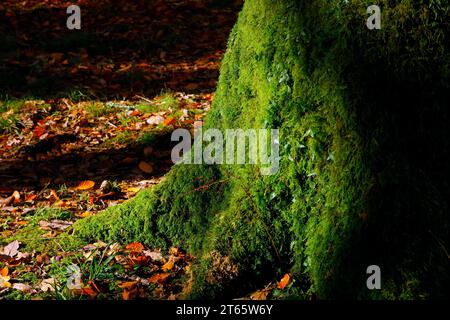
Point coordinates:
pixel 364 152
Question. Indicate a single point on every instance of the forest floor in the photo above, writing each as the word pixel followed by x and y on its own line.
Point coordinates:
pixel 85 123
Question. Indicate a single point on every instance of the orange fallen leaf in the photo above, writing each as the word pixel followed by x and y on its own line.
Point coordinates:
pixel 135 247
pixel 31 197
pixel 85 185
pixel 39 131
pixel 158 278
pixel 61 204
pixel 86 214
pixel 284 282
pixel 141 260
pixel 145 167
pixel 169 121
pixel 127 284
pixel 4 272
pixel 54 196
pixel 168 265
pixel 129 294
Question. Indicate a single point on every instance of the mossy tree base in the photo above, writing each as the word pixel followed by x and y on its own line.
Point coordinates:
pixel 364 149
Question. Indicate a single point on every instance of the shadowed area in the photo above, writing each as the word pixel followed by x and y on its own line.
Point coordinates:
pixel 123 48
pixel 110 164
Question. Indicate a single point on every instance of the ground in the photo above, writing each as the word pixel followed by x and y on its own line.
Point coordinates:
pixel 97 136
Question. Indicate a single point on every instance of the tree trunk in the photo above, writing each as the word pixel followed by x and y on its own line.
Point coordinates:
pixel 364 149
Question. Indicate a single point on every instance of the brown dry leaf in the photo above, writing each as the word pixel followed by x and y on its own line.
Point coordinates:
pixel 284 282
pixel 7 201
pixel 155 120
pixel 22 287
pixel 12 249
pixel 159 278
pixel 42 258
pixel 55 225
pixel 145 167
pixel 260 294
pixel 85 185
pixel 135 247
pixel 54 196
pixel 129 289
pixel 50 234
pixel 129 294
pixel 155 256
pixel 16 196
pixel 48 284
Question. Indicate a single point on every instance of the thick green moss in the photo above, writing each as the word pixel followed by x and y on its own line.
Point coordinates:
pixel 363 145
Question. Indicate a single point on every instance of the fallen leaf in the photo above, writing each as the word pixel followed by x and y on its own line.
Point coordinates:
pixel 88 292
pixel 31 197
pixel 22 287
pixel 127 285
pixel 16 196
pixel 155 256
pixel 145 167
pixel 4 282
pixel 155 120
pixel 50 234
pixel 42 258
pixel 133 190
pixel 135 247
pixel 85 214
pixel 53 196
pixel 138 259
pixel 284 282
pixel 12 249
pixel 260 294
pixel 85 185
pixel 48 285
pixel 168 265
pixel 169 121
pixel 55 225
pixel 7 201
pixel 4 272
pixel 159 278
